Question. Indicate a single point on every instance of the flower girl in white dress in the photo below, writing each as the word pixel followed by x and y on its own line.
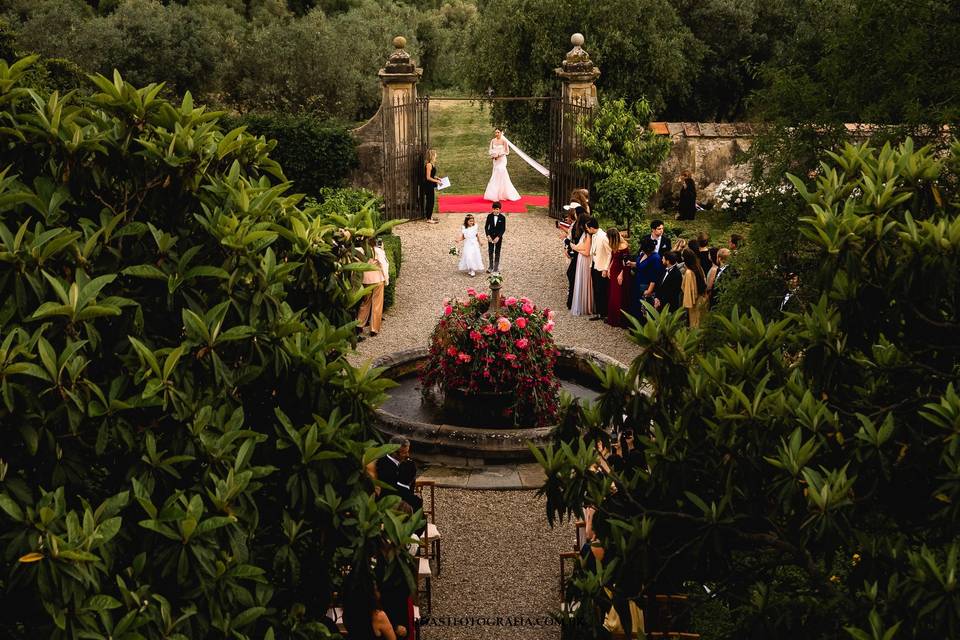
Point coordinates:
pixel 470 258
pixel 499 187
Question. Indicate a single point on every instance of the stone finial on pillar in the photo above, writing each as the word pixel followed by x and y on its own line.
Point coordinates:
pixel 578 74
pixel 400 75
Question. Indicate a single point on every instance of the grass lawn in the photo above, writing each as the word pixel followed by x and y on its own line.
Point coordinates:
pixel 460 131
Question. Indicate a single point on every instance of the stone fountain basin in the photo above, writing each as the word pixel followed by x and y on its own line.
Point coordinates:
pixel 434 439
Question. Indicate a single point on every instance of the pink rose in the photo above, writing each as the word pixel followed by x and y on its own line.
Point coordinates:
pixel 510 301
pixel 447 310
pixel 489 329
pixel 527 308
pixel 548 327
pixel 503 324
pixel 482 297
pixel 525 300
pixel 471 292
pixel 521 322
pixel 452 351
pixel 550 314
pixel 510 356
pixel 475 335
pixel 464 357
pixel 522 343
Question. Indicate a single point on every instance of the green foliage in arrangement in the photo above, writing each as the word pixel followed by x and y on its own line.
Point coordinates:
pixel 393 248
pixel 805 470
pixel 314 154
pixel 184 441
pixel 623 159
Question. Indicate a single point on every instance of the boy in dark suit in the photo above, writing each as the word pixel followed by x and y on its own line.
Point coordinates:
pixel 666 294
pixel 494 228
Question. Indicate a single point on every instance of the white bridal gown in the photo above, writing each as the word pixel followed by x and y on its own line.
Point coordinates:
pixel 470 258
pixel 500 187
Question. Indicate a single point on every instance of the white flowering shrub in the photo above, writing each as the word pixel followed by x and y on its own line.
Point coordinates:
pixel 735 198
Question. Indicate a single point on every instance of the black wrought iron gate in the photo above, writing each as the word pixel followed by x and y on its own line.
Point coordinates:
pixel 566 147
pixel 406 139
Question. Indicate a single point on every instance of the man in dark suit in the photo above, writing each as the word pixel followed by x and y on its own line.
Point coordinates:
pixel 661 241
pixel 667 292
pixel 398 471
pixel 724 275
pixel 494 228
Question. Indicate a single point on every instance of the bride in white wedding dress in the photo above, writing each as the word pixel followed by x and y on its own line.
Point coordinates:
pixel 500 188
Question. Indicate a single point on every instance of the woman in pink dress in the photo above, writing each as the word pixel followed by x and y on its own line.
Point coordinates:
pixel 500 188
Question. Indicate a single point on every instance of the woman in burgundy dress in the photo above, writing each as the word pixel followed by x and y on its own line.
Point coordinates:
pixel 619 285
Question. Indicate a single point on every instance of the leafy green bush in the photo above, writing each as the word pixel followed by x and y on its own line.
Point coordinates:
pixel 806 469
pixel 184 442
pixel 314 154
pixel 624 158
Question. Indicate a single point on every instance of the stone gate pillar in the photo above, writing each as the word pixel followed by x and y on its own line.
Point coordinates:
pixel 578 75
pixel 398 79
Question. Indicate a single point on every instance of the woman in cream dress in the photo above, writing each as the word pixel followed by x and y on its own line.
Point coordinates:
pixel 499 188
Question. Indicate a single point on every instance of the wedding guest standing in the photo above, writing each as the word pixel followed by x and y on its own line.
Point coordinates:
pixel 719 280
pixel 582 304
pixel 600 254
pixel 688 196
pixel 371 309
pixel 575 218
pixel 648 271
pixel 619 294
pixel 430 182
pixel 662 242
pixel 694 288
pixel 666 295
pixel 582 197
pixel 703 251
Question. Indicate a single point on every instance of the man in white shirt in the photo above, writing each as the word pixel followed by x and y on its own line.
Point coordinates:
pixel 599 271
pixel 372 307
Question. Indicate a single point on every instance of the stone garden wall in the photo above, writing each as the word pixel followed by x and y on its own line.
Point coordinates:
pixel 709 149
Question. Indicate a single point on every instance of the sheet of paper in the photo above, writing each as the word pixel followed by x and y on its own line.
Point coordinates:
pixel 444 183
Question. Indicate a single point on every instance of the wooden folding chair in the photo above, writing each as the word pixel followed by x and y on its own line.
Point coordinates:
pixel 431 541
pixel 424 586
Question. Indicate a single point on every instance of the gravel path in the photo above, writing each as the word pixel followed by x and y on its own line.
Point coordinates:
pixel 500 557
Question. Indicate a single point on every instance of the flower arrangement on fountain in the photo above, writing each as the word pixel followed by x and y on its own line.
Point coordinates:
pixel 477 349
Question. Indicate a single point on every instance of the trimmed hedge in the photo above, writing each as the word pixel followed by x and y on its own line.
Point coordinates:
pixel 314 153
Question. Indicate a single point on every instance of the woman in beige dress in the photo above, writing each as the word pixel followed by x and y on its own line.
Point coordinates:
pixel 694 288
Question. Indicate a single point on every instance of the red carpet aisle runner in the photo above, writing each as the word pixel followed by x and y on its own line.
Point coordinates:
pixel 476 204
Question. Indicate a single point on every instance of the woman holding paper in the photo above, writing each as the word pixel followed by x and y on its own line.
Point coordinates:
pixel 499 188
pixel 430 182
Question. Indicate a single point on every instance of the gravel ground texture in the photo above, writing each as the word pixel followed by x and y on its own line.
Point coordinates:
pixel 500 556
pixel 499 560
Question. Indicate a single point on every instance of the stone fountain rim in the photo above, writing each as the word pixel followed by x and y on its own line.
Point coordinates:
pixel 430 431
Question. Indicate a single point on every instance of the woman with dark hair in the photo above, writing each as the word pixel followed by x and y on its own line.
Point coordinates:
pixel 688 196
pixel 694 288
pixel 363 615
pixel 619 286
pixel 649 270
